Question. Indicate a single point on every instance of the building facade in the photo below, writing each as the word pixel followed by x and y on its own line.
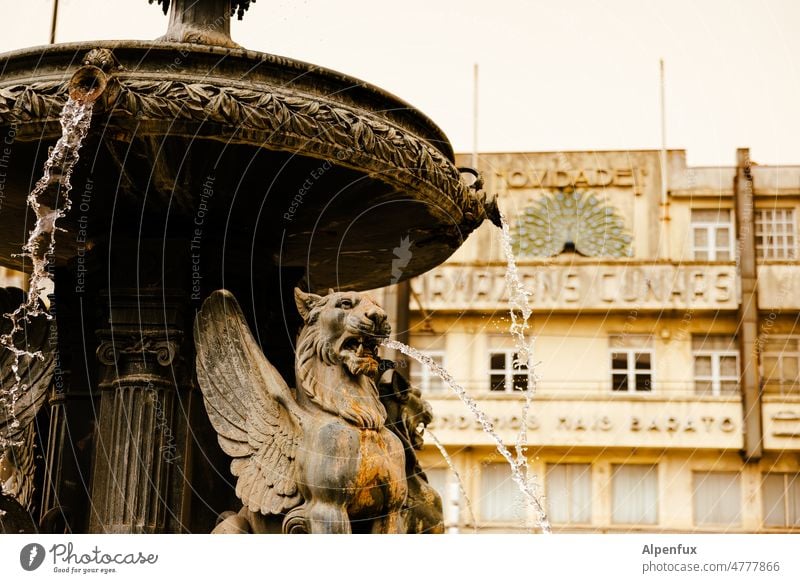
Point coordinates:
pixel 667 346
pixel 12 278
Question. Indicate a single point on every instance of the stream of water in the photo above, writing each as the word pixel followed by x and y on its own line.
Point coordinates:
pixel 49 201
pixel 449 461
pixel 520 311
pixel 525 486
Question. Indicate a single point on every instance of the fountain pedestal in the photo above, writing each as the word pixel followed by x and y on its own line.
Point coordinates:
pixel 207 23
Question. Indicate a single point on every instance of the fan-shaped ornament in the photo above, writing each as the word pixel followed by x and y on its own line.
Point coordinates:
pixel 572 219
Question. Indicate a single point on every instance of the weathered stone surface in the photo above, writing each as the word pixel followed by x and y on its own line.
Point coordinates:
pixel 326 456
pixel 14 519
pixel 136 450
pixel 408 416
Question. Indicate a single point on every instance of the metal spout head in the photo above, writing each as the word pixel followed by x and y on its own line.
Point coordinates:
pixel 493 212
pixel 482 207
pixel 87 84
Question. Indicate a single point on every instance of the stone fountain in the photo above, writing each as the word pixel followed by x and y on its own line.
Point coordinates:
pixel 209 166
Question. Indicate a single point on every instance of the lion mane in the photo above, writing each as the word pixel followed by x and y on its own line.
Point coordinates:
pixel 324 376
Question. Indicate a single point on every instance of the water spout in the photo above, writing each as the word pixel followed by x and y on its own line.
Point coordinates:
pixel 87 84
pixel 481 205
pixel 493 212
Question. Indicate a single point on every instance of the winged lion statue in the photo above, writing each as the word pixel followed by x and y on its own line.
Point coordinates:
pixel 325 456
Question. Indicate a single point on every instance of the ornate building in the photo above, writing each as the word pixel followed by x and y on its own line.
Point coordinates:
pixel 667 346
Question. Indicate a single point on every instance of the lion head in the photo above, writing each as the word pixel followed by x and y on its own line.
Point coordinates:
pixel 417 415
pixel 350 324
pixel 409 414
pixel 342 331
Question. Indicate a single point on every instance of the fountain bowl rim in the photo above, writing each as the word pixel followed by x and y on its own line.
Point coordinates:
pixel 434 135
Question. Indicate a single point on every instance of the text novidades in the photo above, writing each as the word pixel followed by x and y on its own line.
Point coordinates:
pixel 64 553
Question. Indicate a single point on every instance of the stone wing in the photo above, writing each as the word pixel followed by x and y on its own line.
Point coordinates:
pixel 18 411
pixel 18 467
pixel 250 406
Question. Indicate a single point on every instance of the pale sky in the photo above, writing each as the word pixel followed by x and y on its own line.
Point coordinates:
pixel 554 75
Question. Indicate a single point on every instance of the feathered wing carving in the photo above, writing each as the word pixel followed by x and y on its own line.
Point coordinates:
pixel 17 465
pixel 250 406
pixel 580 218
pixel 18 468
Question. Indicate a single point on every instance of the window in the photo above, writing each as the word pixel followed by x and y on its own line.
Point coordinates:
pixel 506 371
pixel 717 499
pixel 716 365
pixel 445 482
pixel 780 363
pixel 775 234
pixel 634 494
pixel 631 363
pixel 569 493
pixel 425 379
pixel 432 346
pixel 712 234
pixel 439 478
pixel 781 496
pixel 501 500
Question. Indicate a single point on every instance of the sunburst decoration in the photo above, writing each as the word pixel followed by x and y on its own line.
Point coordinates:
pixel 578 219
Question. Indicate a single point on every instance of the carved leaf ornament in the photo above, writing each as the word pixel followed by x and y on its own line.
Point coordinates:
pixel 33 101
pixel 289 121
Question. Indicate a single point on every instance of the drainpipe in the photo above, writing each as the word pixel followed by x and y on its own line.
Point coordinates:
pixel 748 307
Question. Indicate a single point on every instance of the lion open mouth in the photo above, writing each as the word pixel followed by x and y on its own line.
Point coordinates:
pixel 359 352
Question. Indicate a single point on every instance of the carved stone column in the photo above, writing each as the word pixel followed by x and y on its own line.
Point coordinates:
pixel 53 481
pixel 136 444
pixel 67 460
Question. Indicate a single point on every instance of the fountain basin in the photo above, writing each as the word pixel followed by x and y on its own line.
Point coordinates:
pixel 260 159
